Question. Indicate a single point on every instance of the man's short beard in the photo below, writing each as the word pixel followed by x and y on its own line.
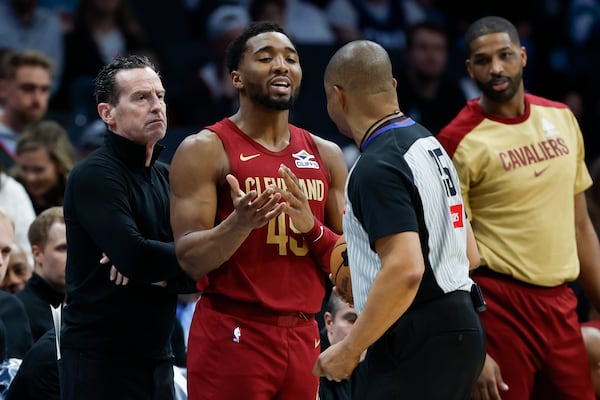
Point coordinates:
pixel 505 95
pixel 276 104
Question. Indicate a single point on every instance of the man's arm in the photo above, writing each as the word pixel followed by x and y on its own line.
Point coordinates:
pixel 588 251
pixel 320 235
pixel 334 158
pixel 198 168
pixel 105 214
pixel 472 252
pixel 392 292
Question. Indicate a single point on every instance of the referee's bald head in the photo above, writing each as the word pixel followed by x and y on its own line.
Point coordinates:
pixel 361 66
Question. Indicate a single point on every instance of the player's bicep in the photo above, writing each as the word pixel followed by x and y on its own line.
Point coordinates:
pixel 195 172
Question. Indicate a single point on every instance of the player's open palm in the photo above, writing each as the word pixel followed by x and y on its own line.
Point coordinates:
pixel 296 202
pixel 490 382
pixel 253 210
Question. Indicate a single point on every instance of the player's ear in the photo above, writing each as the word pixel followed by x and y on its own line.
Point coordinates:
pixel 236 79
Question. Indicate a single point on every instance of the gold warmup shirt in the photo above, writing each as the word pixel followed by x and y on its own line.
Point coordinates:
pixel 519 178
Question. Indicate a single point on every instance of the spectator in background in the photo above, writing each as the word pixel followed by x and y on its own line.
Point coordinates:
pixel 46 288
pixel 45 156
pixel 302 20
pixel 15 333
pixel 92 137
pixel 8 365
pixel 65 9
pixel 5 54
pixel 584 34
pixel 16 202
pixel 25 26
pixel 417 11
pixel 37 376
pixel 102 31
pixel 209 95
pixel 382 21
pixel 18 272
pixel 186 304
pixel 24 91
pixel 426 92
pixel 339 317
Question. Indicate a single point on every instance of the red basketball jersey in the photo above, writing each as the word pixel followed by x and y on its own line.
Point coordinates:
pixel 273 267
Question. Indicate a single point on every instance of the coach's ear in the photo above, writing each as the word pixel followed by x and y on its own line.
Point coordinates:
pixel 105 112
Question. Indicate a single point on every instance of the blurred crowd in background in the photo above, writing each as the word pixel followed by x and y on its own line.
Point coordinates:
pixel 186 39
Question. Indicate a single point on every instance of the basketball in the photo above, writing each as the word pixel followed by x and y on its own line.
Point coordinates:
pixel 340 269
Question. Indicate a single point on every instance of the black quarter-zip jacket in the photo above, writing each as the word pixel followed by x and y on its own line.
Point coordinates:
pixel 116 205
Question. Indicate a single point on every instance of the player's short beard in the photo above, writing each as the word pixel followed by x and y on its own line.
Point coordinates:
pixel 276 104
pixel 271 102
pixel 513 86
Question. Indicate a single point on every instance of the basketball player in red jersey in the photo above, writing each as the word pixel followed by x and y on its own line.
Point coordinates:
pixel 256 206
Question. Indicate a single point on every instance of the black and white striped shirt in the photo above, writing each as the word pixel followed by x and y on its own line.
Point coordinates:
pixel 404 181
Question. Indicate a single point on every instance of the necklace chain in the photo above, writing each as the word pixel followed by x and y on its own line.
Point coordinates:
pixel 375 124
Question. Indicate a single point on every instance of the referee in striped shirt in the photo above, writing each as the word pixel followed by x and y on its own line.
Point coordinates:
pixel 410 246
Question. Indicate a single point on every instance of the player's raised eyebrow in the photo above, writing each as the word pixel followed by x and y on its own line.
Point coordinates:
pixel 272 48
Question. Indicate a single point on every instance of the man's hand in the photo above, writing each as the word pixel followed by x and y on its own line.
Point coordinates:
pixel 296 202
pixel 254 211
pixel 337 362
pixel 115 276
pixel 490 382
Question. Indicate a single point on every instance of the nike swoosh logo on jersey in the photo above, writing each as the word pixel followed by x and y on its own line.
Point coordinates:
pixel 538 173
pixel 247 158
pixel 317 343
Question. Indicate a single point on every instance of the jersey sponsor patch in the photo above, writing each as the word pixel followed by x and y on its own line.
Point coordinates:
pixel 305 160
pixel 456 211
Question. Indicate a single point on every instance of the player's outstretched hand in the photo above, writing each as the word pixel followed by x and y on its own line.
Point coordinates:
pixel 296 203
pixel 254 210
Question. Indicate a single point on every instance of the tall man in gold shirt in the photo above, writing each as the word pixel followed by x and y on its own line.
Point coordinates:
pixel 520 161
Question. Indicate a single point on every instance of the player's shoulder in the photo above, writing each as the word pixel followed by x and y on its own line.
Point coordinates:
pixel 203 149
pixel 544 102
pixel 465 122
pixel 199 141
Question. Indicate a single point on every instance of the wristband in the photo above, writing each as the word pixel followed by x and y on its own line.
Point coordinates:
pixel 321 241
pixel 313 234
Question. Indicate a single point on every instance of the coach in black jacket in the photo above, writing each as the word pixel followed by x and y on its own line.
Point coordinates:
pixel 115 341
